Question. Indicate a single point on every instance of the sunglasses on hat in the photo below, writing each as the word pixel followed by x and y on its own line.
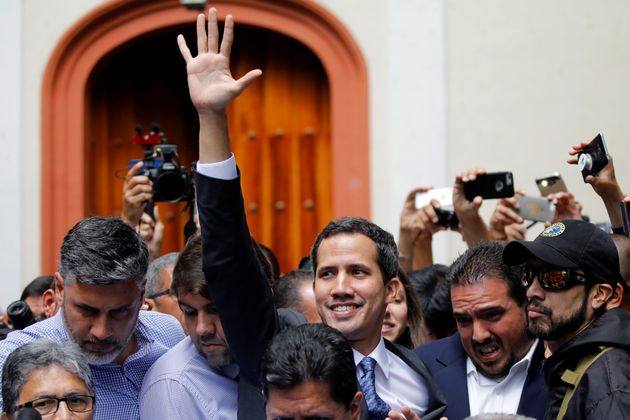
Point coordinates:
pixel 551 278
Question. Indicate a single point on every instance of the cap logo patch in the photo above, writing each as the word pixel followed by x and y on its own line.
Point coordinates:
pixel 554 230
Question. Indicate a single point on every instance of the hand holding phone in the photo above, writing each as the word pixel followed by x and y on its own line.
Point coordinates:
pixel 443 195
pixel 593 157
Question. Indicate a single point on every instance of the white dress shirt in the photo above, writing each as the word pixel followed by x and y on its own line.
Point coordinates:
pixel 486 395
pixel 396 382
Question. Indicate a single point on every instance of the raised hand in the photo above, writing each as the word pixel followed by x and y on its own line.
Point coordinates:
pixel 210 81
pixel 137 192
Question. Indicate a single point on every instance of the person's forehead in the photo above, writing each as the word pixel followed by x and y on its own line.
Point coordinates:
pixel 308 399
pixel 489 292
pixel 195 300
pixel 103 296
pixel 348 243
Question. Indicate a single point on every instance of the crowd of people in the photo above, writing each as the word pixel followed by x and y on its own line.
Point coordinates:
pixel 365 328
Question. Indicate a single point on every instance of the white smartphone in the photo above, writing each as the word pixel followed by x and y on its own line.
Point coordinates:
pixel 538 209
pixel 443 195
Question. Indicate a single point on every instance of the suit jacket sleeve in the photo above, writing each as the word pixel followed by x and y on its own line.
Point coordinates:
pixel 235 279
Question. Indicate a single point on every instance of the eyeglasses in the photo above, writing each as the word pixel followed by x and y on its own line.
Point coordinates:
pixel 551 278
pixel 50 405
pixel 159 294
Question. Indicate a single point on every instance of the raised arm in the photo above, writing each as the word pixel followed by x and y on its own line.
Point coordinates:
pixel 235 279
pixel 212 86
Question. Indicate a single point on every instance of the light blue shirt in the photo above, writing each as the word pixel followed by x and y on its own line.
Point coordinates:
pixel 117 386
pixel 182 385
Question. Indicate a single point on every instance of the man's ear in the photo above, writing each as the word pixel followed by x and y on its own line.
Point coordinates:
pixel 149 304
pixel 616 298
pixel 58 283
pixel 50 302
pixel 600 295
pixel 392 289
pixel 355 406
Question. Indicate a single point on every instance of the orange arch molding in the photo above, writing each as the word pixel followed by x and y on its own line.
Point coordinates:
pixel 116 22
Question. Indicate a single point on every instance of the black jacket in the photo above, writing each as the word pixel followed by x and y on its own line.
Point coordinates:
pixel 242 294
pixel 604 391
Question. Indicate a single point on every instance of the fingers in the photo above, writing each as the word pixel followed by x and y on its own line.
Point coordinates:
pixel 213 31
pixel 202 38
pixel 248 79
pixel 183 48
pixel 134 170
pixel 228 36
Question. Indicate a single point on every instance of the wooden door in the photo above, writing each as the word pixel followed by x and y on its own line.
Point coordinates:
pixel 279 128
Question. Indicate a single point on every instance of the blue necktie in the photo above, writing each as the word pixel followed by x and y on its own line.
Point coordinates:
pixel 377 408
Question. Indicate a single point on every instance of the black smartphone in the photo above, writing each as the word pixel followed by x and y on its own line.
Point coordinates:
pixel 490 185
pixel 593 157
pixel 625 217
pixel 551 184
pixel 446 218
pixel 538 209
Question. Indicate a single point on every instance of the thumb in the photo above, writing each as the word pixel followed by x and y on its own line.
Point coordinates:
pixel 156 214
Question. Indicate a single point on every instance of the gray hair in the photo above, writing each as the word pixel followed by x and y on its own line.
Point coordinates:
pixel 154 282
pixel 39 354
pixel 102 251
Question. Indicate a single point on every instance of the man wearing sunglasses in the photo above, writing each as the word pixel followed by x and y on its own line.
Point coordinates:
pixel 570 272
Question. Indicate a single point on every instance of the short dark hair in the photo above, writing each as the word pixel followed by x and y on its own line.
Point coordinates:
pixel 39 354
pixel 311 352
pixel 286 291
pixel 434 296
pixel 272 259
pixel 102 251
pixel 38 286
pixel 484 260
pixel 188 274
pixel 386 249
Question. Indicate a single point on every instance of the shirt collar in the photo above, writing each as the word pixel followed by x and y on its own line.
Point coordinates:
pixel 521 365
pixel 380 354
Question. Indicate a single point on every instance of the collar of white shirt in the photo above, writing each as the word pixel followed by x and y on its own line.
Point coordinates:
pixel 521 365
pixel 380 354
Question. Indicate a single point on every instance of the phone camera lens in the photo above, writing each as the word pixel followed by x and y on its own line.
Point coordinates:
pixel 585 162
pixel 498 186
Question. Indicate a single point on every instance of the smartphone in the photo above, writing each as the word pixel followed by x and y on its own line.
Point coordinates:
pixel 538 209
pixel 446 218
pixel 551 184
pixel 490 185
pixel 593 157
pixel 443 195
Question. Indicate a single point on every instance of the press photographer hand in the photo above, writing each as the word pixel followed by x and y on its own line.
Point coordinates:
pixel 137 192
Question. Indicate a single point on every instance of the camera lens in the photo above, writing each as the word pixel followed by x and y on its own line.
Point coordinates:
pixel 498 186
pixel 585 162
pixel 170 186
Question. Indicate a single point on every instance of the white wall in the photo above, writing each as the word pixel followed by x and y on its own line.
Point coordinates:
pixel 10 150
pixel 526 80
pixel 453 84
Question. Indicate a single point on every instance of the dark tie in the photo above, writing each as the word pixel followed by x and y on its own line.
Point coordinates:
pixel 377 408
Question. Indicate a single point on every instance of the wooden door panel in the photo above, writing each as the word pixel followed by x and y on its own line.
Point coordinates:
pixel 146 82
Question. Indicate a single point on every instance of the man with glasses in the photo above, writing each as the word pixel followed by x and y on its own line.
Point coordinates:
pixel 570 272
pixel 158 296
pixel 50 378
pixel 489 365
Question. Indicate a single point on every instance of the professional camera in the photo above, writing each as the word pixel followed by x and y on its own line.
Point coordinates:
pixel 171 181
pixel 20 315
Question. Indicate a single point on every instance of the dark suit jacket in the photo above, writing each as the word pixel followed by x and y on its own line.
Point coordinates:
pixel 446 359
pixel 242 294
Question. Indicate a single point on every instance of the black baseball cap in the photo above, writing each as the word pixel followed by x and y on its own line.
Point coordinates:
pixel 571 244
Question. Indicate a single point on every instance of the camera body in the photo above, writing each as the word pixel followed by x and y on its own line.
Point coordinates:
pixel 171 182
pixel 593 157
pixel 446 218
pixel 20 315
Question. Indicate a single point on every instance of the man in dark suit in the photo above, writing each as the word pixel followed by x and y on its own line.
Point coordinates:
pixel 489 365
pixel 236 283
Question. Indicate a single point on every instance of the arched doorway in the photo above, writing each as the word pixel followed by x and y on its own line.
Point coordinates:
pixel 279 127
pixel 64 120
